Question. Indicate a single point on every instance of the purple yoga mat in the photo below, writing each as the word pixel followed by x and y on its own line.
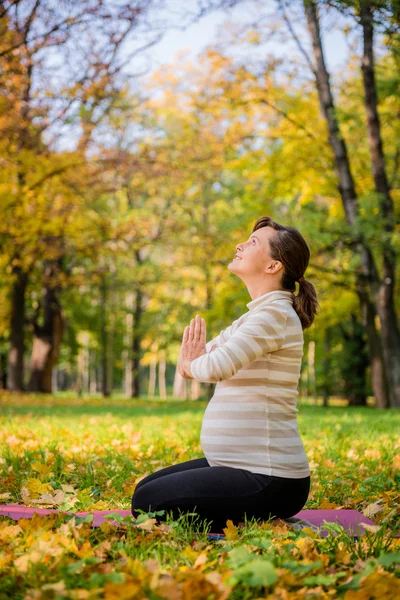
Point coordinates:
pixel 351 520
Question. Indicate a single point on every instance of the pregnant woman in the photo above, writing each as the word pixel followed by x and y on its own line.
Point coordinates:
pixel 254 462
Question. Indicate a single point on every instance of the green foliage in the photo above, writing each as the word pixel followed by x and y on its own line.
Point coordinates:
pixel 93 453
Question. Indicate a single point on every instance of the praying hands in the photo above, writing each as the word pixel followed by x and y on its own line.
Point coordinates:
pixel 193 345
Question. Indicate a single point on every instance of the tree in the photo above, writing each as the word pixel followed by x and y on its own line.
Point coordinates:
pixel 373 290
pixel 86 39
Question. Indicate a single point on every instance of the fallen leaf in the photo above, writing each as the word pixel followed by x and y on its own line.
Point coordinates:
pixel 147 525
pixel 231 531
pixel 43 470
pixel 35 487
pixel 22 563
pixel 54 499
pixel 372 509
pixel 372 528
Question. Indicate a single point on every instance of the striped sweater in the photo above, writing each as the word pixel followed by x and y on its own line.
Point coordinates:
pixel 251 422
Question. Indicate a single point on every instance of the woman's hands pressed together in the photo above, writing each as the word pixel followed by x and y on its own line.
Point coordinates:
pixel 193 345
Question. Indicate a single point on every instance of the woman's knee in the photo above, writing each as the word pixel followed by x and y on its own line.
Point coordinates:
pixel 141 483
pixel 143 499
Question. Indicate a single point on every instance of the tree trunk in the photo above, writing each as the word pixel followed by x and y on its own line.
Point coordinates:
pixel 385 295
pixel 3 371
pixel 15 378
pixel 104 338
pixel 83 363
pixel 17 324
pixel 378 375
pixel 161 376
pixel 48 337
pixel 304 393
pixel 152 377
pixel 136 339
pixel 327 367
pixel 129 304
pixel 369 274
pixel 356 362
pixel 311 370
pixel 110 346
pixel 93 386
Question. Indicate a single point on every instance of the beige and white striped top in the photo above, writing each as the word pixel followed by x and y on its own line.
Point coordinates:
pixel 251 422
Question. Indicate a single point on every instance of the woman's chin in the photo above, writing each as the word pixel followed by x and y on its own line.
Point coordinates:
pixel 233 263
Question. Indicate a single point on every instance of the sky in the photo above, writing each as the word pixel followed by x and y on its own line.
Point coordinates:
pixel 209 29
pixel 191 39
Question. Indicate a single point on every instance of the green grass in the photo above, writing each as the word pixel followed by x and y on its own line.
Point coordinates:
pixel 101 448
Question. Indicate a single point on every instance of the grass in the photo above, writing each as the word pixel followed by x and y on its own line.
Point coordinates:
pixel 88 454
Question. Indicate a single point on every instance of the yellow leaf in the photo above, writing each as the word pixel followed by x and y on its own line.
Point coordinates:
pixel 166 587
pixel 84 551
pixel 372 509
pixel 43 470
pixel 384 586
pixel 372 528
pixel 396 462
pixel 54 499
pixel 231 531
pixel 189 553
pixel 326 505
pixel 197 586
pixel 342 555
pixel 8 532
pixel 22 563
pixel 122 591
pixel 309 531
pixel 307 548
pixel 200 560
pixel 35 487
pixel 147 525
pixel 5 558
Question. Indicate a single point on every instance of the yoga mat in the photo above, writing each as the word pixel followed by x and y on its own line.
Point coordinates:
pixel 351 520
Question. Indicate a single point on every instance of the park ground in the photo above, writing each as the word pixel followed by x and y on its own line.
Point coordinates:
pixel 80 454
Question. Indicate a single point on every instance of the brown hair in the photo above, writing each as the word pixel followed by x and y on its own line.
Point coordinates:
pixel 290 248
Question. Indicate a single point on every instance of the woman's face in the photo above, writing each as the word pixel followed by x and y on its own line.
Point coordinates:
pixel 252 258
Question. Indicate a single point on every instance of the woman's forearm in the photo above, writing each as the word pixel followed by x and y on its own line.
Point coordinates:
pixel 186 368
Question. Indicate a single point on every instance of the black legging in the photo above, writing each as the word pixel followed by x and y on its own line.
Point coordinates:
pixel 219 493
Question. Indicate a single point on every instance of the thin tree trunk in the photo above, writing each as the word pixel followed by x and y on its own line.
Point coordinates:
pixel 369 276
pixel 48 337
pixel 3 371
pixel 161 376
pixel 17 323
pixel 136 339
pixel 384 297
pixel 103 337
pixel 129 304
pixel 110 346
pixel 311 370
pixel 83 363
pixel 357 361
pixel 56 340
pixel 152 377
pixel 93 388
pixel 15 379
pixel 86 364
pixel 378 378
pixel 327 366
